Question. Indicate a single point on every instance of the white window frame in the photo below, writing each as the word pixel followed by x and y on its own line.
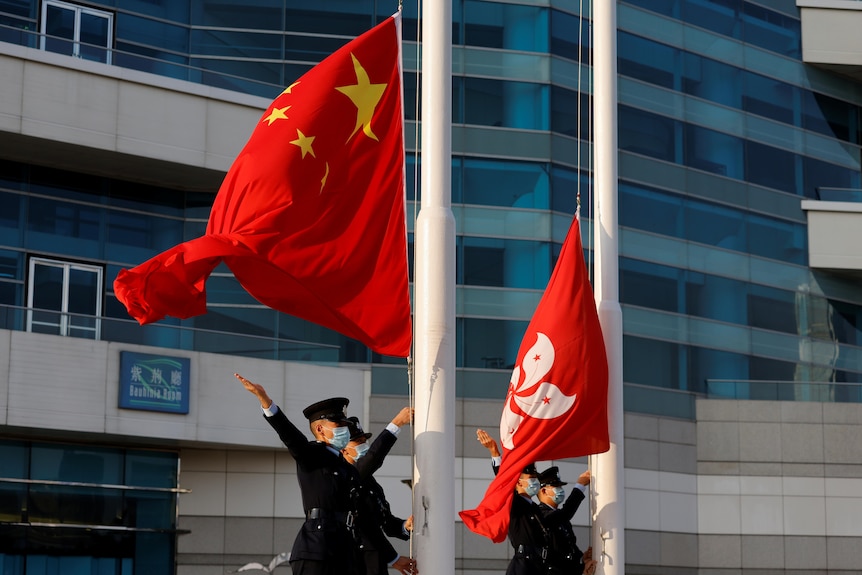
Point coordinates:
pixel 65 327
pixel 78 11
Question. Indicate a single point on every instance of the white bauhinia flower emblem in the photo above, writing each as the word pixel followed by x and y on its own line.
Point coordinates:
pixel 533 397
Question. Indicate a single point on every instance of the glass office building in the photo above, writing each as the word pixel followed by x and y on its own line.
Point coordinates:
pixel 723 132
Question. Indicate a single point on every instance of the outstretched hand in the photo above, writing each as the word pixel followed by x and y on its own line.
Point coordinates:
pixel 488 442
pixel 257 390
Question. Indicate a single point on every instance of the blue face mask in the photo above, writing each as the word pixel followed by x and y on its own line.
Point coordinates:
pixel 559 495
pixel 340 438
pixel 532 486
pixel 361 449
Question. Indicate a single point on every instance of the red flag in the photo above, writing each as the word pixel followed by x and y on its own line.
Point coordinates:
pixel 310 217
pixel 556 406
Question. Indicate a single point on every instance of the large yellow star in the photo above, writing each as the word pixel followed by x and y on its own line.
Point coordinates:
pixel 304 143
pixel 365 96
pixel 276 114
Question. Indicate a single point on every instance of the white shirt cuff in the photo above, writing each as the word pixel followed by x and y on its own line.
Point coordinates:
pixel 582 488
pixel 393 429
pixel 496 461
pixel 271 410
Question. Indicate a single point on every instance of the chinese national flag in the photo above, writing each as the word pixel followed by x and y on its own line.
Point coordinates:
pixel 310 217
pixel 556 406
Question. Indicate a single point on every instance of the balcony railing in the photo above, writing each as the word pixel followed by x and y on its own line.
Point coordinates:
pixel 14 318
pixel 839 195
pixel 170 65
pixel 774 390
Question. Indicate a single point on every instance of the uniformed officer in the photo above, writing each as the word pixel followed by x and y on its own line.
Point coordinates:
pixel 325 544
pixel 557 511
pixel 527 533
pixel 376 520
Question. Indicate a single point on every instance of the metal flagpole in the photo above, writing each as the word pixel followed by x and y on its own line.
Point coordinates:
pixel 434 305
pixel 608 483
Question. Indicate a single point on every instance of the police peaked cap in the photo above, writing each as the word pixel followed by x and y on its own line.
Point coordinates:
pixel 551 476
pixel 333 409
pixel 356 431
pixel 530 470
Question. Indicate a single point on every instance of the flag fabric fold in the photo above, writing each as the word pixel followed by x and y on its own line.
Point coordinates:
pixel 556 405
pixel 310 217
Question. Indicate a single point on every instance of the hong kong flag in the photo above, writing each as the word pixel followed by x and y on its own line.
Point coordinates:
pixel 310 217
pixel 556 406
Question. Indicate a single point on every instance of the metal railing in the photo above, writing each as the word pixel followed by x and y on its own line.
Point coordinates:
pixel 14 318
pixel 150 64
pixel 780 390
pixel 826 194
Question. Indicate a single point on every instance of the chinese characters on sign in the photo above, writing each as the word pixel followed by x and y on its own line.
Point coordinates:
pixel 154 382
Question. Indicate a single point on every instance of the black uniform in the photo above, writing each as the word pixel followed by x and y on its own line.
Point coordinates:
pixel 376 524
pixel 563 553
pixel 325 543
pixel 376 521
pixel 528 536
pixel 564 557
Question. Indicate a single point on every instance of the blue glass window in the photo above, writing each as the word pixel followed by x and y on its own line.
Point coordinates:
pixel 711 80
pixel 714 152
pixel 662 357
pixel 650 285
pixel 565 186
pixel 768 98
pixel 337 17
pixel 771 30
pixel 651 210
pixel 646 133
pixel 489 343
pixel 234 44
pixel 506 26
pixel 770 167
pixel 62 219
pixel 568 32
pixel 666 7
pixel 772 309
pixel 831 117
pixel 503 103
pixel 777 239
pixel 137 30
pixel 715 225
pixel 10 218
pixel 252 14
pixel 647 60
pixel 722 16
pixel 135 237
pixel 714 297
pixel 570 114
pixel 820 174
pixel 98 518
pixel 501 183
pixel 505 263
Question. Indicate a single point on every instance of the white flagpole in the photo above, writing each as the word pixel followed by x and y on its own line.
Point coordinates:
pixel 608 484
pixel 434 306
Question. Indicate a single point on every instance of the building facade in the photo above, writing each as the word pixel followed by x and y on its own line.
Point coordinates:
pixel 742 315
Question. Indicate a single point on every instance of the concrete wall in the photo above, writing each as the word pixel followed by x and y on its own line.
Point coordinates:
pixel 90 117
pixel 58 386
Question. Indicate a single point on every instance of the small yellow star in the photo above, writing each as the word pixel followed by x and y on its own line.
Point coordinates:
pixel 276 114
pixel 304 143
pixel 365 96
pixel 287 90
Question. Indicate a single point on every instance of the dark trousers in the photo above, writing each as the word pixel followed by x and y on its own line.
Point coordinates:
pixel 310 567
